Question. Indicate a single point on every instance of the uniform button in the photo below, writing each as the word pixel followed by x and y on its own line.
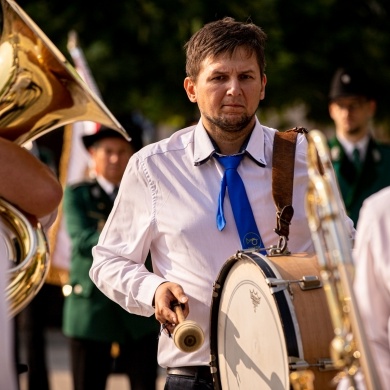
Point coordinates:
pixel 67 290
pixel 78 289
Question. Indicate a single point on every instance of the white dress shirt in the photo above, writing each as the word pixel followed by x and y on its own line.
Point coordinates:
pixel 372 279
pixel 167 203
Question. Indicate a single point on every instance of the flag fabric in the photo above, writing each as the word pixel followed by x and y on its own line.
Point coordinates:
pixel 75 166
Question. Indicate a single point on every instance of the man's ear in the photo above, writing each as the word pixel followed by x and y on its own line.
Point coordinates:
pixel 91 150
pixel 263 84
pixel 373 107
pixel 189 86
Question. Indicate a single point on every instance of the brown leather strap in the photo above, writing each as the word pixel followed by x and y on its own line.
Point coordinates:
pixel 283 178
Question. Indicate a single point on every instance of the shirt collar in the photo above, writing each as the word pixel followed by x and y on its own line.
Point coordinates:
pixel 204 148
pixel 361 146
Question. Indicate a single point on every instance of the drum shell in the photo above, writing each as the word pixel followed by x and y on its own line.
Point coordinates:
pixel 301 317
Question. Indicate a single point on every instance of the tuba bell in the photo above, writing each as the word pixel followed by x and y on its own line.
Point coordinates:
pixel 39 91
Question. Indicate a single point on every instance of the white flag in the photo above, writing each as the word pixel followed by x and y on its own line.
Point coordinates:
pixel 75 166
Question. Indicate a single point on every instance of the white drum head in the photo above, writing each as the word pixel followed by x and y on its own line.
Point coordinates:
pixel 251 345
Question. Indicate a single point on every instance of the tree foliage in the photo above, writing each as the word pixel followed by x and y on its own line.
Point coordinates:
pixel 135 48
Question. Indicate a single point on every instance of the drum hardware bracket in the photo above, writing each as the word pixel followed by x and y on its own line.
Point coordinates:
pixel 324 364
pixel 213 367
pixel 216 289
pixel 246 251
pixel 296 364
pixel 277 285
pixel 280 249
pixel 308 282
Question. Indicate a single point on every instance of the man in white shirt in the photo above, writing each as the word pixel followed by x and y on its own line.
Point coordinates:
pixel 372 283
pixel 372 277
pixel 175 184
pixel 30 186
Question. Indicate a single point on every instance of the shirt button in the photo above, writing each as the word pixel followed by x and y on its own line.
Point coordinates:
pixel 78 289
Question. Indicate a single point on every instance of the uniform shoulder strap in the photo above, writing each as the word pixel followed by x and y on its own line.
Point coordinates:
pixel 283 161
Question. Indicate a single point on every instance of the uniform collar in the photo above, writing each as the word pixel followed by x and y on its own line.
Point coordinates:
pixel 204 148
pixel 107 186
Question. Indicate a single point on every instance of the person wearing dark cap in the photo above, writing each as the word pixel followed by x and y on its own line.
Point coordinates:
pixel 95 325
pixel 361 162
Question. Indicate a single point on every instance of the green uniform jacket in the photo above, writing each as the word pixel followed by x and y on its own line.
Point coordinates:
pixel 88 313
pixel 374 174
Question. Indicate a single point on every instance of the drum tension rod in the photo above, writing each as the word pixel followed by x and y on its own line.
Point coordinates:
pixel 308 282
pixel 324 364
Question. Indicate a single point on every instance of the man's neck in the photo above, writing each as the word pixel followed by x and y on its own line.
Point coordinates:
pixel 229 143
pixel 353 135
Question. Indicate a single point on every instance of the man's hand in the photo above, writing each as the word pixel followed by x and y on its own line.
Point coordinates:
pixel 166 294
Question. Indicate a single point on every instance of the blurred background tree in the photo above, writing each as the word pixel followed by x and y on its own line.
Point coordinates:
pixel 135 50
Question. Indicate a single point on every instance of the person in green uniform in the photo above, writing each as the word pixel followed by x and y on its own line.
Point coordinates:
pixel 361 163
pixel 93 322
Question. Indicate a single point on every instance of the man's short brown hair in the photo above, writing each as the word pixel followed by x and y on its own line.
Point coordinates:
pixel 224 36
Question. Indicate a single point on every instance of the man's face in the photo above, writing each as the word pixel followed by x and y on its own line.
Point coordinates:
pixel 228 91
pixel 110 157
pixel 352 115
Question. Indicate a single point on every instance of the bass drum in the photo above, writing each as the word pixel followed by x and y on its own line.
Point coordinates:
pixel 269 317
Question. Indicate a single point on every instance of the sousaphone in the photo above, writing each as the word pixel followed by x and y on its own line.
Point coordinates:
pixel 39 91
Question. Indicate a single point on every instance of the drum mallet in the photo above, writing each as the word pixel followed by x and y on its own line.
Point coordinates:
pixel 188 336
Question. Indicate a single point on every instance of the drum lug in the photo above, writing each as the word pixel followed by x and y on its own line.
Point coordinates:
pixel 310 282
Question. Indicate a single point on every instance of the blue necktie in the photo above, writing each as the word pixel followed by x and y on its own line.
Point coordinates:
pixel 242 211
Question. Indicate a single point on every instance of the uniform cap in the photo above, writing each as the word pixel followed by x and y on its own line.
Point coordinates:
pixel 132 129
pixel 102 133
pixel 347 82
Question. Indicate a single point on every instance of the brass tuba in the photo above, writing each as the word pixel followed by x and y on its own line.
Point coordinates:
pixel 39 92
pixel 349 349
